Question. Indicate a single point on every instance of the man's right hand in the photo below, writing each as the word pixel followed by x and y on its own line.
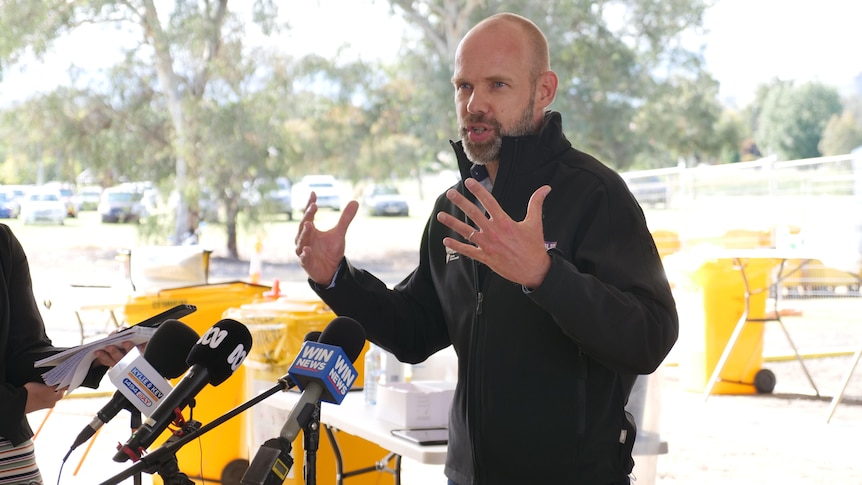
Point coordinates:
pixel 320 252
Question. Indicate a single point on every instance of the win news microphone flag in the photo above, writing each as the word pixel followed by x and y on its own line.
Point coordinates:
pixel 215 356
pixel 141 382
pixel 324 371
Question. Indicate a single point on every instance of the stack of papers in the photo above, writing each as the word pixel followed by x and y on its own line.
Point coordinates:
pixel 71 366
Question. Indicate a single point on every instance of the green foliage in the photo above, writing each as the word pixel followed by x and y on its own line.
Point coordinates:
pixel 28 26
pixel 841 136
pixel 793 118
pixel 684 116
pixel 194 103
pixel 612 58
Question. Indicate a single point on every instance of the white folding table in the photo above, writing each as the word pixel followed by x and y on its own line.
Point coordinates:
pixel 355 417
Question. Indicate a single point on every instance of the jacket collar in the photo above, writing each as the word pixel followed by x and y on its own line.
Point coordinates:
pixel 542 146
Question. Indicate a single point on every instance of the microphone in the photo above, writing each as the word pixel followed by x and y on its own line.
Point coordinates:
pixel 165 350
pixel 312 336
pixel 213 358
pixel 323 372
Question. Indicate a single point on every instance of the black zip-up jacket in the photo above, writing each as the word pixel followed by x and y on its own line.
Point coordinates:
pixel 543 374
pixel 23 340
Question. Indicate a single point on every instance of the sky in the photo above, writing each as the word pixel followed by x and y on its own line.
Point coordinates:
pixel 749 42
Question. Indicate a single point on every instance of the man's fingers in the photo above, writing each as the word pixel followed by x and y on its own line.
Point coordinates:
pixel 347 216
pixel 537 200
pixel 471 210
pixel 482 195
pixel 456 225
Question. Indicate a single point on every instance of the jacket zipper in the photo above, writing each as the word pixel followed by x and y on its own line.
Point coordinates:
pixel 582 393
pixel 478 283
pixel 473 421
pixel 476 396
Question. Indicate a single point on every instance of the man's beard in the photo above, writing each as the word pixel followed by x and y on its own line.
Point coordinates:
pixel 489 151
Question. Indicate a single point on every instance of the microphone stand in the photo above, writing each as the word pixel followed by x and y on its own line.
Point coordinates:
pixel 159 456
pixel 311 441
pixel 135 422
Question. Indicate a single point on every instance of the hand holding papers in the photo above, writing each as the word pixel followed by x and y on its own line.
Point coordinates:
pixel 71 366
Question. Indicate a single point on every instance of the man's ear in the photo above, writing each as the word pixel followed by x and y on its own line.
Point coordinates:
pixel 547 88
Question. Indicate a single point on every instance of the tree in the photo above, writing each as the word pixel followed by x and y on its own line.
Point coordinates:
pixel 182 49
pixel 793 118
pixel 683 122
pixel 611 58
pixel 841 136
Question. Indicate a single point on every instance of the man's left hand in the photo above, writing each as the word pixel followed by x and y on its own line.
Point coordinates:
pixel 514 250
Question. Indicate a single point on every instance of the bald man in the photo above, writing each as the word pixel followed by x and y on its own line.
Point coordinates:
pixel 537 267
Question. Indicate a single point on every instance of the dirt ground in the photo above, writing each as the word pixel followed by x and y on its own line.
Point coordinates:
pixel 781 437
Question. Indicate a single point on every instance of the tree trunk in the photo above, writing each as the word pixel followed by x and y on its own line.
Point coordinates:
pixel 170 84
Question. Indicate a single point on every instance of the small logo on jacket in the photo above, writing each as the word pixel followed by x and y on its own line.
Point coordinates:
pixel 451 255
pixel 549 245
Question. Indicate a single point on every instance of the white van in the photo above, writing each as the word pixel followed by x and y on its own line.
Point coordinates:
pixel 324 186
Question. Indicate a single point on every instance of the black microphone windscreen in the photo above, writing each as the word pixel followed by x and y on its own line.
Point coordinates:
pixel 221 349
pixel 168 347
pixel 312 336
pixel 346 333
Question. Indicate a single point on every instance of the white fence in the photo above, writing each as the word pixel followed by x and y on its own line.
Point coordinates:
pixel 814 204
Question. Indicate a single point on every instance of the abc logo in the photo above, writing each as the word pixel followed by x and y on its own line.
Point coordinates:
pixel 214 337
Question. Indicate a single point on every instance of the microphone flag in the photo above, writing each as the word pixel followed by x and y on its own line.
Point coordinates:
pixel 139 382
pixel 327 365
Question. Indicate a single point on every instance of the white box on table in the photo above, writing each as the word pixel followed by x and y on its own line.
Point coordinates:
pixel 417 404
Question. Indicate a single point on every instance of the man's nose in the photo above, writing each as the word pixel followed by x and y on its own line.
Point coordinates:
pixel 477 103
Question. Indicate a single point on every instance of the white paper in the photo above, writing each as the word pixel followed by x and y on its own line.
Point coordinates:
pixel 71 366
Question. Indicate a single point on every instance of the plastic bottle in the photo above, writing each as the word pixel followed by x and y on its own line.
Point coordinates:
pixel 392 369
pixel 373 369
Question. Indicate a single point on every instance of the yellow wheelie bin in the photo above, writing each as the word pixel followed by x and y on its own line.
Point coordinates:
pixel 219 455
pixel 717 285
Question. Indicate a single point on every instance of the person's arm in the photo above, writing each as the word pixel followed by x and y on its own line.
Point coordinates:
pixel 320 252
pixel 406 320
pixel 28 339
pixel 620 308
pixel 622 313
pixel 386 315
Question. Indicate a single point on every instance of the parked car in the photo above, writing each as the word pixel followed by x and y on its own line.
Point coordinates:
pixel 122 203
pixel 324 186
pixel 10 207
pixel 650 190
pixel 269 196
pixel 88 197
pixel 19 192
pixel 279 199
pixel 67 195
pixel 384 200
pixel 43 205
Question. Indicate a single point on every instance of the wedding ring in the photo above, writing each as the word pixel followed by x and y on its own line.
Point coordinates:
pixel 470 237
